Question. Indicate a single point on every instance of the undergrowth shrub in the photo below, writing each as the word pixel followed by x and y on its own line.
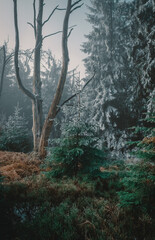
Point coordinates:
pixel 73 209
pixel 145 145
pixel 67 210
pixel 74 152
pixel 138 193
pixel 14 133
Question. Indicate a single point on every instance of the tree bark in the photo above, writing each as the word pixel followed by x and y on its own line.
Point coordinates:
pixel 37 104
pixel 36 95
pixel 54 106
pixel 3 70
pixel 19 81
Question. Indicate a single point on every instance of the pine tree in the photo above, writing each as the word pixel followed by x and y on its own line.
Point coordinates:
pixel 74 153
pixel 108 47
pixel 14 134
pixel 143 54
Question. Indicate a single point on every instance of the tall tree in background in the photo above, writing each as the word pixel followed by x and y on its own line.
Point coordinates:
pixel 143 53
pixel 12 96
pixel 41 135
pixel 121 49
pixel 107 47
pixel 6 58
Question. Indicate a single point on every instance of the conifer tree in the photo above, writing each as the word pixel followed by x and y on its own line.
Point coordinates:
pixel 143 54
pixel 108 47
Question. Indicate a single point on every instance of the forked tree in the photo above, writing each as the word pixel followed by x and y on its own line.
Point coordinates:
pixel 41 131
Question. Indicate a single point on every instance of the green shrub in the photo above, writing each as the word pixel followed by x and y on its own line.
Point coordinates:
pixel 145 146
pixel 74 152
pixel 140 178
pixel 138 192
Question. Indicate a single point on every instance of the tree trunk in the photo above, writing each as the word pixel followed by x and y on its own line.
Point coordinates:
pixel 54 106
pixel 40 138
pixel 36 95
pixel 37 103
pixel 3 69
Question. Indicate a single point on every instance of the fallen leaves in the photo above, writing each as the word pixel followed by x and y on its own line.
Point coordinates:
pixel 16 166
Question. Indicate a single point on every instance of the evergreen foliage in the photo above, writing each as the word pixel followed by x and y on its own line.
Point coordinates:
pixel 123 57
pixel 14 134
pixel 138 192
pixel 145 148
pixel 147 145
pixel 108 47
pixel 75 152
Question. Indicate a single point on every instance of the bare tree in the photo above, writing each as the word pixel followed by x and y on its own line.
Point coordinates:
pixel 41 135
pixel 36 95
pixel 6 59
pixel 54 106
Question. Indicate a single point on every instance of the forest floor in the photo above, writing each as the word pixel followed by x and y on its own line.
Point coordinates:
pixel 18 166
pixel 15 166
pixel 34 205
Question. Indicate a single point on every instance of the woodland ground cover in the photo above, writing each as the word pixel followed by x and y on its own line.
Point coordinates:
pixel 116 202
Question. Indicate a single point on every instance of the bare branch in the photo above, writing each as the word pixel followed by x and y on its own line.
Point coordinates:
pixel 49 35
pixel 75 94
pixel 61 9
pixel 50 15
pixel 72 27
pixel 70 32
pixel 30 24
pixel 88 81
pixel 26 91
pixel 56 8
pixel 9 58
pixel 75 3
pixel 71 71
pixel 34 17
pixel 76 8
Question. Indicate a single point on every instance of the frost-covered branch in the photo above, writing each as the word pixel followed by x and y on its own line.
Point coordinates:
pixel 75 94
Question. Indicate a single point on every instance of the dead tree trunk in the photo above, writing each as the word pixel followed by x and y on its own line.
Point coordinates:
pixel 36 95
pixel 3 69
pixel 19 81
pixel 54 106
pixel 40 138
pixel 37 104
